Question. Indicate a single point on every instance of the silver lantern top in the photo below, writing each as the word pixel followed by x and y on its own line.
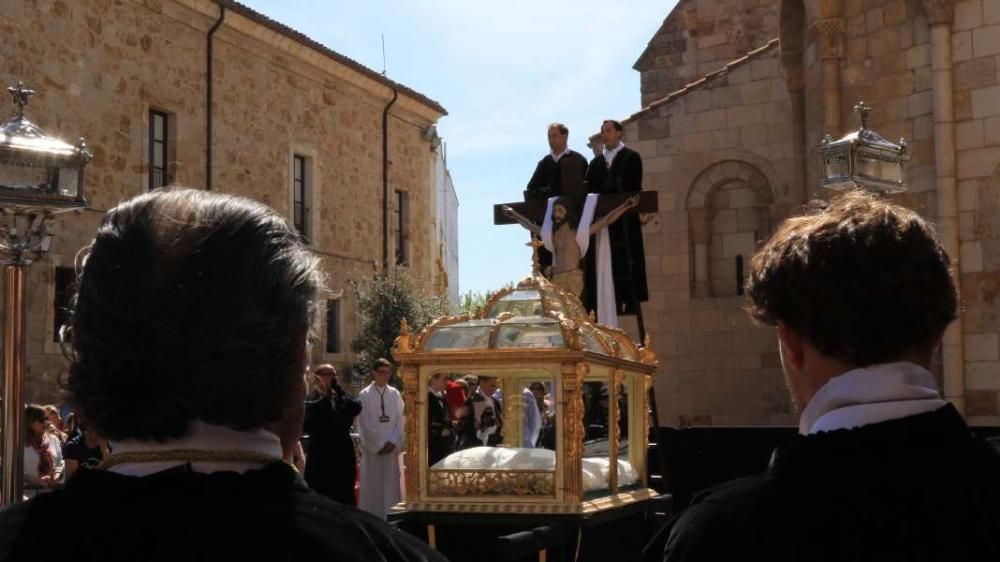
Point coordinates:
pixel 864 159
pixel 38 171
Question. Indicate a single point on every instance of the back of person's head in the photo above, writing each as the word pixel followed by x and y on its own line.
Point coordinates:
pixel 861 279
pixel 190 305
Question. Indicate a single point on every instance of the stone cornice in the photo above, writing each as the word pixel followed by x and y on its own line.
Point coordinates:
pixel 240 20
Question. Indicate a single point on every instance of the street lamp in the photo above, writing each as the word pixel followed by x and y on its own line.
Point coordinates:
pixel 864 159
pixel 40 176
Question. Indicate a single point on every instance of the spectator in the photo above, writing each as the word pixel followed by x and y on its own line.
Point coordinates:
pixel 884 468
pixel 43 461
pixel 330 412
pixel 55 423
pixel 440 439
pixel 85 451
pixel 190 335
pixel 482 423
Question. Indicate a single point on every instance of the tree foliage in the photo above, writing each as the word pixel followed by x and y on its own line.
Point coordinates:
pixel 383 302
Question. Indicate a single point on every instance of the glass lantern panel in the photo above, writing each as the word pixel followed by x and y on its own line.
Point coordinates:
pixel 548 334
pixel 69 181
pixel 458 336
pixel 491 433
pixel 591 342
pixel 23 177
pixel 520 303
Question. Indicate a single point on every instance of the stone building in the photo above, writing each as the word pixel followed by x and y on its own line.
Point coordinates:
pixel 737 95
pixel 213 95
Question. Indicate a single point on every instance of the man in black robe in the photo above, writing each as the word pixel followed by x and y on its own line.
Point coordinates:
pixel 884 468
pixel 482 421
pixel 560 172
pixel 190 327
pixel 440 439
pixel 331 466
pixel 618 169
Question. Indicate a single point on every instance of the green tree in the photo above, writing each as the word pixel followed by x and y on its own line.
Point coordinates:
pixel 383 302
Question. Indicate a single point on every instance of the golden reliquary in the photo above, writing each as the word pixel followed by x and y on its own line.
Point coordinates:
pixel 543 410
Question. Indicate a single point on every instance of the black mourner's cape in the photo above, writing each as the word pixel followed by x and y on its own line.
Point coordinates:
pixel 916 488
pixel 331 466
pixel 625 176
pixel 552 179
pixel 177 514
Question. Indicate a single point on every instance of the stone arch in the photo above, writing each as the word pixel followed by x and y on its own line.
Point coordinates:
pixel 729 212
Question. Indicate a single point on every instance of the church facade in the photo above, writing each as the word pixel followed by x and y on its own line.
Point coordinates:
pixel 737 95
pixel 290 123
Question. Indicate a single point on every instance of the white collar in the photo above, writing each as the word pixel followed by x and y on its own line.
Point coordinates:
pixel 556 157
pixel 205 437
pixel 610 153
pixel 869 395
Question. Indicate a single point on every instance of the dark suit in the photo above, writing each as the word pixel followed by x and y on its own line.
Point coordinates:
pixel 468 426
pixel 330 463
pixel 552 179
pixel 624 176
pixel 439 435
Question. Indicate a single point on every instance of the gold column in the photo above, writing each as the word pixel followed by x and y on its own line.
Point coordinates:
pixel 615 434
pixel 414 451
pixel 572 420
pixel 13 382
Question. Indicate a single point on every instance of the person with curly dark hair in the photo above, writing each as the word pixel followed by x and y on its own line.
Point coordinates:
pixel 190 336
pixel 884 468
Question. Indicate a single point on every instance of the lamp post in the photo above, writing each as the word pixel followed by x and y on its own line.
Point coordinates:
pixel 40 176
pixel 864 159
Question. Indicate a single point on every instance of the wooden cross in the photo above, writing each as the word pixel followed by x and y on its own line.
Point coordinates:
pixel 535 210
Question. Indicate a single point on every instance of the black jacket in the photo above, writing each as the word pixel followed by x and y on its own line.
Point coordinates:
pixel 440 438
pixel 917 488
pixel 624 176
pixel 330 462
pixel 264 514
pixel 547 180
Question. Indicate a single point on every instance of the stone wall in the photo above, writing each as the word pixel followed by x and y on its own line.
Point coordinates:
pixel 976 52
pixel 700 36
pixel 722 158
pixel 100 66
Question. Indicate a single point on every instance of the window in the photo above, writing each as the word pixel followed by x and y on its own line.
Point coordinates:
pixel 158 145
pixel 333 326
pixel 300 192
pixel 399 228
pixel 63 279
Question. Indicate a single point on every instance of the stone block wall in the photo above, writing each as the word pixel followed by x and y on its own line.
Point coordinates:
pixel 700 36
pixel 722 159
pixel 976 53
pixel 99 67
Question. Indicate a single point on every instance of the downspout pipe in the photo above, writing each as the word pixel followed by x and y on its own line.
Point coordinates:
pixel 942 69
pixel 385 181
pixel 209 66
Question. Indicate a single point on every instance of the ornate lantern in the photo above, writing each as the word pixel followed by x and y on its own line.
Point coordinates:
pixel 864 159
pixel 40 176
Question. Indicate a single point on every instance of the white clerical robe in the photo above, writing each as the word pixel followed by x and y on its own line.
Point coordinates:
pixel 380 422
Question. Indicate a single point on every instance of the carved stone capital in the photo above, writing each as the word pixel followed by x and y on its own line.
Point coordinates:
pixel 830 34
pixel 940 11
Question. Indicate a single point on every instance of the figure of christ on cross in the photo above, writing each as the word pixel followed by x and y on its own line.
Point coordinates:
pixel 566 271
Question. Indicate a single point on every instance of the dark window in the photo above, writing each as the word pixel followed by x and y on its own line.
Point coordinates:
pixel 739 275
pixel 63 282
pixel 333 326
pixel 399 227
pixel 300 182
pixel 157 149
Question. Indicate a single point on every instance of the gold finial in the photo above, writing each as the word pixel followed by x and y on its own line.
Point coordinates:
pixel 592 316
pixel 646 353
pixel 404 341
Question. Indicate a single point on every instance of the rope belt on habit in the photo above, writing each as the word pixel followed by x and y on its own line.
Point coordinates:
pixel 189 456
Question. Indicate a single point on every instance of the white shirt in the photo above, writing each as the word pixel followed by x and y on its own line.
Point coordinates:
pixel 870 395
pixel 203 437
pixel 375 433
pixel 556 157
pixel 609 154
pixel 31 459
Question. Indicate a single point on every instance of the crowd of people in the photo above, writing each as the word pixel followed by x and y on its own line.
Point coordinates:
pixel 55 448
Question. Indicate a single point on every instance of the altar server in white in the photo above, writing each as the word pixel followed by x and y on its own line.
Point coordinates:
pixel 381 427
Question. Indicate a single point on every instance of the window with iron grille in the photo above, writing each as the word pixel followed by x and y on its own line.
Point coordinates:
pixel 63 281
pixel 399 228
pixel 300 186
pixel 333 326
pixel 158 147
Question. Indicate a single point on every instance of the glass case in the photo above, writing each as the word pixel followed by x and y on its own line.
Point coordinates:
pixel 529 407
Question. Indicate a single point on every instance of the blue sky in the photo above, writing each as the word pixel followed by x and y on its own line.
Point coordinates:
pixel 503 70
